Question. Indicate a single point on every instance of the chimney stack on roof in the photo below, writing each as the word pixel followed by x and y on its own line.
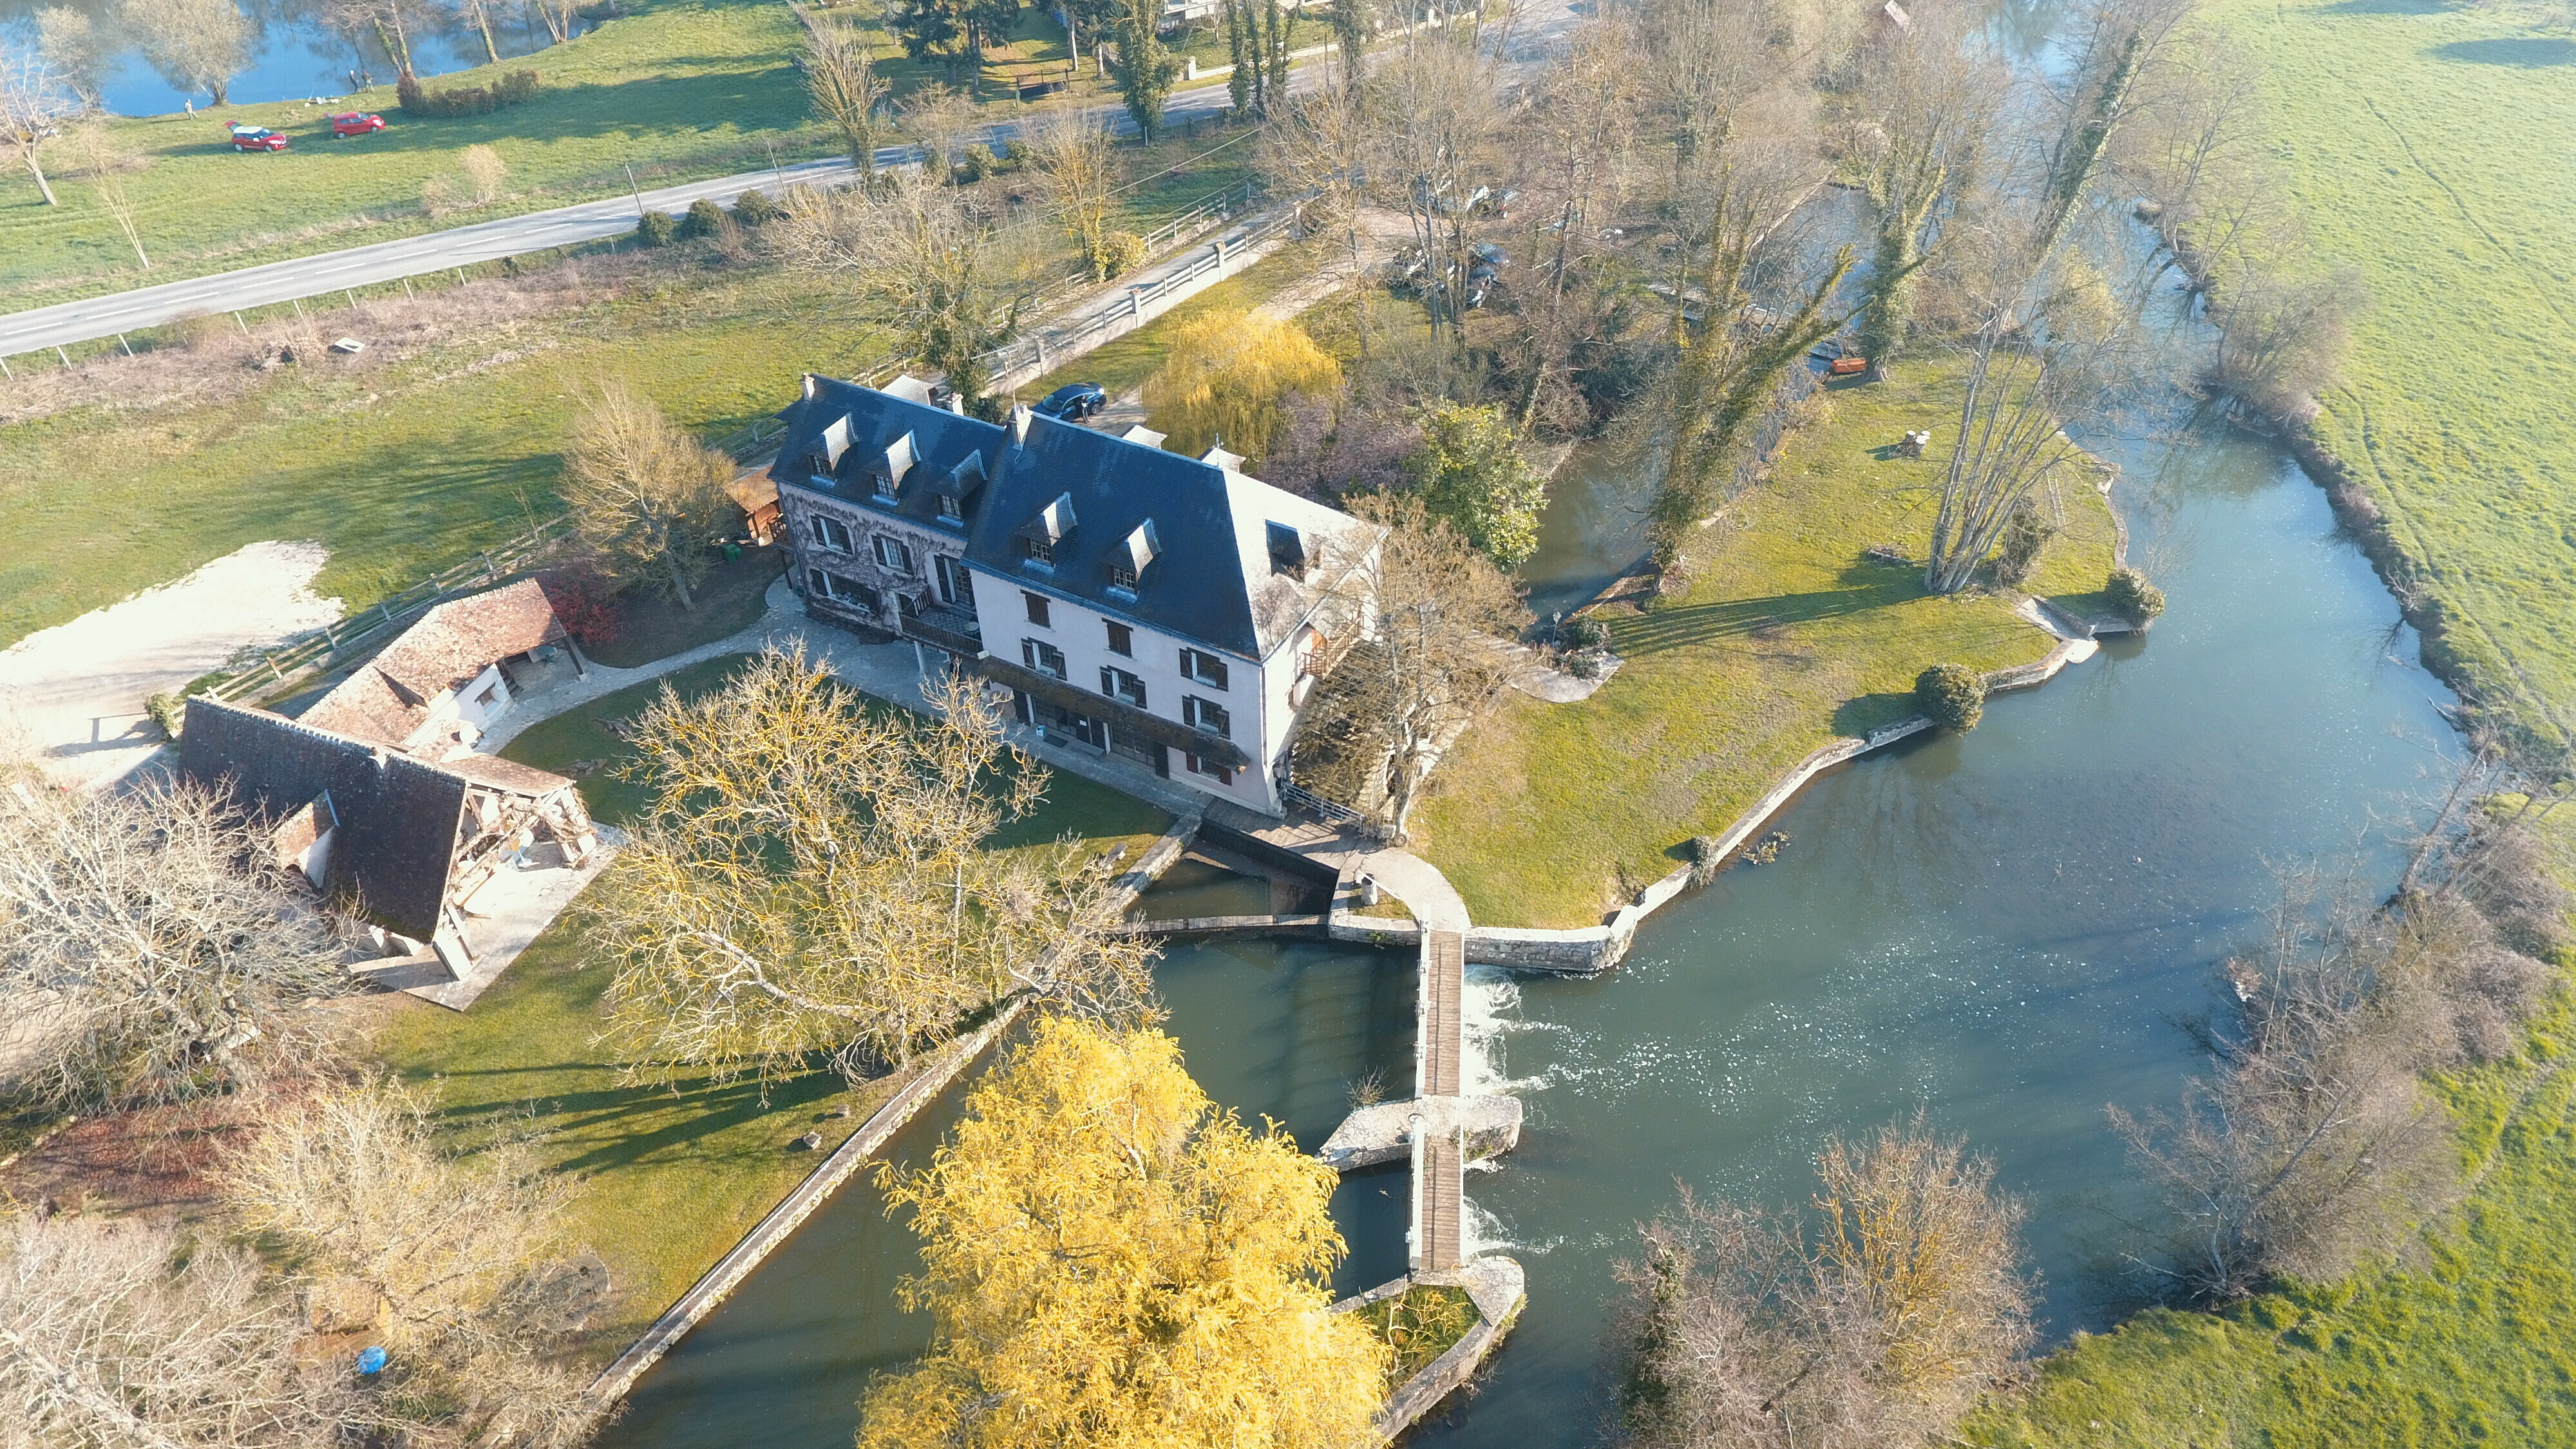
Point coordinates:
pixel 1020 416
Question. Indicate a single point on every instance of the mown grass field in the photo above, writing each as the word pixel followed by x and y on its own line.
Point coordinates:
pixel 1785 637
pixel 674 89
pixel 408 459
pixel 400 467
pixel 2468 1346
pixel 2426 145
pixel 668 1177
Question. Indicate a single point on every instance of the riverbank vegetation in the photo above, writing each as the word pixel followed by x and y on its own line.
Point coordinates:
pixel 2444 1336
pixel 1788 634
pixel 2384 120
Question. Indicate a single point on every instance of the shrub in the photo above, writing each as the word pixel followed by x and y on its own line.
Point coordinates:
pixel 657 228
pixel 1704 859
pixel 1583 632
pixel 979 163
pixel 484 172
pixel 584 600
pixel 1121 252
pixel 1952 694
pixel 705 219
pixel 169 711
pixel 507 90
pixel 754 208
pixel 2025 534
pixel 2131 594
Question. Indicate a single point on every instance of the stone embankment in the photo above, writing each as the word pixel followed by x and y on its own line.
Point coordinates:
pixel 1498 1288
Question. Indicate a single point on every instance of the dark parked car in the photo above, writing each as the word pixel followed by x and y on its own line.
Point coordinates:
pixel 1074 401
pixel 257 138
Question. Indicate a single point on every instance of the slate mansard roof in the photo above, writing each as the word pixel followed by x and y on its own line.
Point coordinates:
pixel 1208 574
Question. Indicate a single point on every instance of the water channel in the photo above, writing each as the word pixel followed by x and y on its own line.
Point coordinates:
pixel 1999 930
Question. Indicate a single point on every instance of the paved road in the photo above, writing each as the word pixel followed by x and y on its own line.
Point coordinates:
pixel 69 322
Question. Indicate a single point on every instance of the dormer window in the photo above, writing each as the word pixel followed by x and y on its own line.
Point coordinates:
pixel 834 442
pixel 899 458
pixel 1127 561
pixel 1041 534
pixel 884 487
pixel 952 507
pixel 1287 551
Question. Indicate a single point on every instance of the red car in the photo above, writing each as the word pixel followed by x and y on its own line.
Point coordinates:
pixel 257 138
pixel 355 123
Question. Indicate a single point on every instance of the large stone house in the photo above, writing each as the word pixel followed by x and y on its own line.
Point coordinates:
pixel 1168 610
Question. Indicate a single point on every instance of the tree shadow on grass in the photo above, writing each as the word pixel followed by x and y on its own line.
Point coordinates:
pixel 615 1117
pixel 1862 713
pixel 2525 53
pixel 1680 626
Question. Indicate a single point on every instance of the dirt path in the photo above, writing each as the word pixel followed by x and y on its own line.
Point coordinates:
pixel 73 694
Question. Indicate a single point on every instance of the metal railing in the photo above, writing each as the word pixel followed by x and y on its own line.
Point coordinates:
pixel 1321 808
pixel 1032 350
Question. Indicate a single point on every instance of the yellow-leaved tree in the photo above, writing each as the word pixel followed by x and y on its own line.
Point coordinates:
pixel 1228 378
pixel 1112 1263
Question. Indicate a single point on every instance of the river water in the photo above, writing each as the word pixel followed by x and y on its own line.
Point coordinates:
pixel 292 53
pixel 1998 930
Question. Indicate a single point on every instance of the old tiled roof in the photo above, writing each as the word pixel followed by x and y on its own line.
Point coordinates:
pixel 397 816
pixel 388 697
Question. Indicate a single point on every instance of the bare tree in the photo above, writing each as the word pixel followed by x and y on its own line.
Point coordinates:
pixel 558 16
pixel 1581 127
pixel 104 161
pixel 76 48
pixel 815 878
pixel 1433 106
pixel 1735 127
pixel 1930 93
pixel 196 45
pixel 1320 149
pixel 166 951
pixel 1076 156
pixel 1909 1305
pixel 841 80
pixel 1428 661
pixel 910 258
pixel 940 120
pixel 455 1266
pixel 125 1336
pixel 2311 1143
pixel 478 14
pixel 33 101
pixel 646 496
pixel 2282 337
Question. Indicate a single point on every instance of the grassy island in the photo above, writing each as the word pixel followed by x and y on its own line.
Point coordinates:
pixel 1784 638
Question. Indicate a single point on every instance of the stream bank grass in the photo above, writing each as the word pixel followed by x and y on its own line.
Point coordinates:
pixel 2424 144
pixel 2466 1345
pixel 1784 638
pixel 667 1177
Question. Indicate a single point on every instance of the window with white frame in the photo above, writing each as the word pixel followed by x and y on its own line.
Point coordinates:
pixel 894 553
pixel 1043 657
pixel 830 533
pixel 1119 684
pixel 1206 716
pixel 1204 667
pixel 1201 765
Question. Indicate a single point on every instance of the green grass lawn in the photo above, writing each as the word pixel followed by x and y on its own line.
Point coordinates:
pixel 675 90
pixel 1549 814
pixel 669 1177
pixel 399 468
pixel 2426 145
pixel 652 624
